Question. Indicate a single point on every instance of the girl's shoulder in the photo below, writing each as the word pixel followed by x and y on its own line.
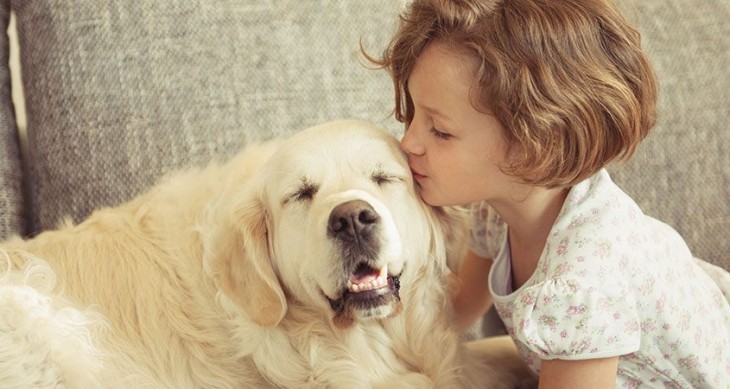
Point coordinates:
pixel 601 231
pixel 600 218
pixel 596 199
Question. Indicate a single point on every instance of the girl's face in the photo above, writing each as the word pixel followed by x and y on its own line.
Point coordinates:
pixel 455 151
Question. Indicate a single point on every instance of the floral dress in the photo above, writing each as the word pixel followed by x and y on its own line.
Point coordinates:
pixel 612 281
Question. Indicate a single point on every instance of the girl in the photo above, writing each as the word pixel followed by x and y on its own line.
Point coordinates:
pixel 517 106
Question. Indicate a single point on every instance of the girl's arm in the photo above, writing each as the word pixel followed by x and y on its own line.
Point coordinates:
pixel 589 373
pixel 470 290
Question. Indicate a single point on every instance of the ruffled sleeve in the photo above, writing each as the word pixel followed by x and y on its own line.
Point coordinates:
pixel 487 230
pixel 576 319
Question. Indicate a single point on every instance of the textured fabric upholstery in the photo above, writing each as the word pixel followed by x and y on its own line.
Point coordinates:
pixel 681 173
pixel 120 92
pixel 11 172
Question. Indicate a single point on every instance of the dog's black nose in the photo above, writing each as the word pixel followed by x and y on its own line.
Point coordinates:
pixel 354 222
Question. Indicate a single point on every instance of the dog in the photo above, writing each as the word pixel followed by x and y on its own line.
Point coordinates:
pixel 308 262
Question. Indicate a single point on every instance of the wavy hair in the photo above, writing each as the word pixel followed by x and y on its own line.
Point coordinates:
pixel 567 79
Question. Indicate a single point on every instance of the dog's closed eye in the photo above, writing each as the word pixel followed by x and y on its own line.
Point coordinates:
pixel 304 192
pixel 381 178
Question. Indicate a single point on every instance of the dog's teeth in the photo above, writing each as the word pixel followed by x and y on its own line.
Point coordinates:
pixel 379 282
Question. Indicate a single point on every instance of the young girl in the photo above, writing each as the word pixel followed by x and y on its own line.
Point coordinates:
pixel 517 106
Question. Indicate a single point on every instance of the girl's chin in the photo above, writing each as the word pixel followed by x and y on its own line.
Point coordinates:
pixel 432 200
pixel 438 199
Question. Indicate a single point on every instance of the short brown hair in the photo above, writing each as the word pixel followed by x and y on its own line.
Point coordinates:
pixel 566 78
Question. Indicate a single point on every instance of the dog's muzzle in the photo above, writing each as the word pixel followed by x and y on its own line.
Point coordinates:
pixel 371 292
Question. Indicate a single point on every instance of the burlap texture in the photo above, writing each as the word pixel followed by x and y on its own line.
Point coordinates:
pixel 120 92
pixel 681 173
pixel 11 173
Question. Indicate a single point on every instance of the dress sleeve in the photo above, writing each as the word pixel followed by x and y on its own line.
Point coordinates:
pixel 487 230
pixel 576 319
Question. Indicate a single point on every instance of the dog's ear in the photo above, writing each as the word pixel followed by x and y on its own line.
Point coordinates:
pixel 243 268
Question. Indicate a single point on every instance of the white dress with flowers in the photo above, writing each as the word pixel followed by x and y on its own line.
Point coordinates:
pixel 612 281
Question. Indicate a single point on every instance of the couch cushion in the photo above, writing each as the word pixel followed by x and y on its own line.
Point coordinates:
pixel 119 92
pixel 681 173
pixel 11 176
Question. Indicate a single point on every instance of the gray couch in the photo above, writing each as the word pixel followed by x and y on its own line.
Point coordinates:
pixel 119 92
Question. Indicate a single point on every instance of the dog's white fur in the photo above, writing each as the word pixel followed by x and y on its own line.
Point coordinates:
pixel 222 278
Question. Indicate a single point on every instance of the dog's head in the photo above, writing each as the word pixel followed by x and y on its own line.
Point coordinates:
pixel 333 221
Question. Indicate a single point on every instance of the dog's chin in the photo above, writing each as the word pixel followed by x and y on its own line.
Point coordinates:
pixel 371 304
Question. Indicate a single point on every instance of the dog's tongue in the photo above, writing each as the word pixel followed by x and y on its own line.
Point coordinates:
pixel 365 274
pixel 365 278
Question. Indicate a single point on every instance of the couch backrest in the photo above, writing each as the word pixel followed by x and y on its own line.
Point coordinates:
pixel 120 92
pixel 681 173
pixel 11 173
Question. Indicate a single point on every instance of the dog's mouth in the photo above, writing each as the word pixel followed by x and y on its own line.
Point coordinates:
pixel 371 293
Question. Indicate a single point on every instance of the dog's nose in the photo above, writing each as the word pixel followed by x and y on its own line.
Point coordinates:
pixel 353 222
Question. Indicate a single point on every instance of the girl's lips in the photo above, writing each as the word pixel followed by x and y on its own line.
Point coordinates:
pixel 417 175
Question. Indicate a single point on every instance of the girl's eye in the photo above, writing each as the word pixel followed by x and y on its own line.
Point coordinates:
pixel 440 135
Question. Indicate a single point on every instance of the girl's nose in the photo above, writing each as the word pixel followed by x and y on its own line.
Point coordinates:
pixel 410 143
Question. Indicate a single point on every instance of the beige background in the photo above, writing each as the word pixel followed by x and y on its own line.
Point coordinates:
pixel 16 84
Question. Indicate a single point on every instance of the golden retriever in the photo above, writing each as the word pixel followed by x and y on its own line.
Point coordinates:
pixel 305 263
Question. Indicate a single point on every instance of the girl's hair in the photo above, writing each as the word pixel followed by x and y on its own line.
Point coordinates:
pixel 567 79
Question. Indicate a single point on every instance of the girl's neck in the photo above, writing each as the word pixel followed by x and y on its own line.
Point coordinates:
pixel 530 217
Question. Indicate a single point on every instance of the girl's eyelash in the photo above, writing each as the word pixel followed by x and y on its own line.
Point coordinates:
pixel 440 135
